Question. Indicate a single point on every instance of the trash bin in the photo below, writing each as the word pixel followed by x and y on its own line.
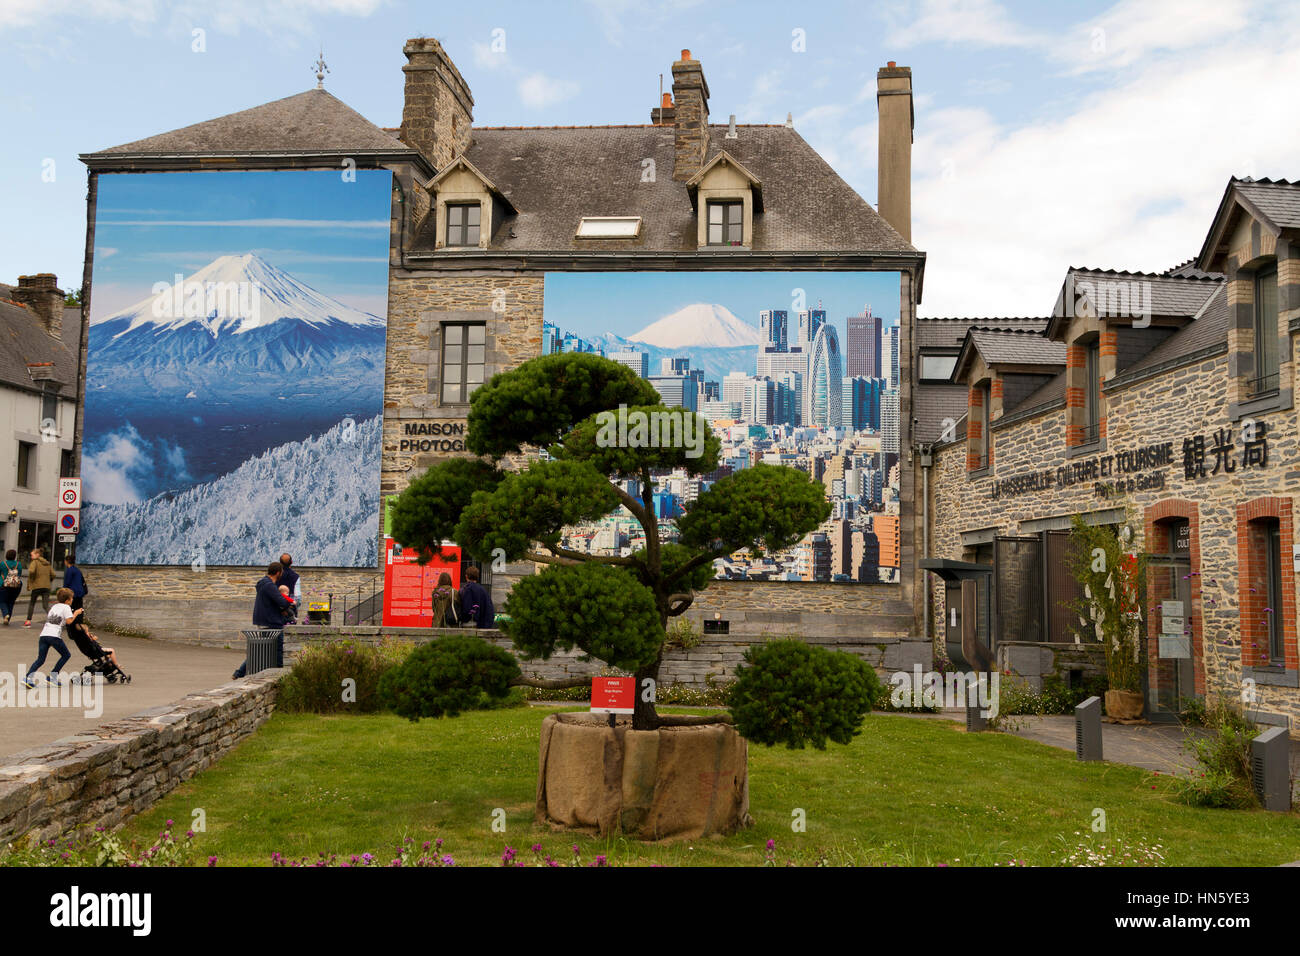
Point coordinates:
pixel 265 648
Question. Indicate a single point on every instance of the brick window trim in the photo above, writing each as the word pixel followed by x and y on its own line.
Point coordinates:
pixel 1252 573
pixel 1157 542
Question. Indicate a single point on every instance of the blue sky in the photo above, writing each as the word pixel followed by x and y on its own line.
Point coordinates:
pixel 326 231
pixel 1047 135
pixel 580 302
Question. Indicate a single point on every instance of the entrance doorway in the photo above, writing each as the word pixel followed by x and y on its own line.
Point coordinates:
pixel 1171 675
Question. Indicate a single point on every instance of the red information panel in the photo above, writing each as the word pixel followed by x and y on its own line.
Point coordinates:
pixel 613 695
pixel 408 587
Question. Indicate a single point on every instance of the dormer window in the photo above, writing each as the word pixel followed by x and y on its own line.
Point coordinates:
pixel 726 197
pixel 463 224
pixel 726 223
pixel 1265 381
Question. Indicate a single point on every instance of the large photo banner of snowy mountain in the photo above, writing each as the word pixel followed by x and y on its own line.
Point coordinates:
pixel 789 368
pixel 235 368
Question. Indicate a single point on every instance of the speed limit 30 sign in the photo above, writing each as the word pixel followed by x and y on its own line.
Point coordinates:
pixel 69 494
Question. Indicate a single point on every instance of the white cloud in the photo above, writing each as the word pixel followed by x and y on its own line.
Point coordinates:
pixel 1129 178
pixel 539 90
pixel 1134 29
pixel 951 22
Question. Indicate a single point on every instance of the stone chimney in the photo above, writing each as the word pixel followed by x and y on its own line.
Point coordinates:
pixel 691 96
pixel 41 295
pixel 894 136
pixel 438 109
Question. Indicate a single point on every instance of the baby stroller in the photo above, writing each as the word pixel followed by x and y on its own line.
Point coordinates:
pixel 101 662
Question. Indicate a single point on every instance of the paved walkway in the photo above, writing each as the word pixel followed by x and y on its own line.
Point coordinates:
pixel 1156 747
pixel 161 673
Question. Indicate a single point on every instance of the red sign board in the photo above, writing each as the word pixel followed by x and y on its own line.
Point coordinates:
pixel 408 587
pixel 613 695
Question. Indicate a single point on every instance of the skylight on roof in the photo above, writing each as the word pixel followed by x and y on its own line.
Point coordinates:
pixel 609 227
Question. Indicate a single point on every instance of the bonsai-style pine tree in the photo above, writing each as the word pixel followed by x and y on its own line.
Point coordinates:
pixel 512 503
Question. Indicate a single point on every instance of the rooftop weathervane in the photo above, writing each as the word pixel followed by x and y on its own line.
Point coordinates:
pixel 321 69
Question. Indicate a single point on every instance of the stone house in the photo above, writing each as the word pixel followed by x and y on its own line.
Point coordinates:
pixel 1166 397
pixel 38 402
pixel 481 215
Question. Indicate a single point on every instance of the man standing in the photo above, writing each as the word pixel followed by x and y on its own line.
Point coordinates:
pixel 475 602
pixel 39 576
pixel 289 579
pixel 74 581
pixel 268 611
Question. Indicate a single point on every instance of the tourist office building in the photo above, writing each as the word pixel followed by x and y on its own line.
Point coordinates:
pixel 486 226
pixel 1162 400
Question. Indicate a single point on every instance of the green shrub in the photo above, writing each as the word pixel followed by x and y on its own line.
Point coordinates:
pixel 316 683
pixel 448 675
pixel 1223 775
pixel 792 693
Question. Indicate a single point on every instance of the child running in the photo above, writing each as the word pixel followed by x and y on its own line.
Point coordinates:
pixel 52 636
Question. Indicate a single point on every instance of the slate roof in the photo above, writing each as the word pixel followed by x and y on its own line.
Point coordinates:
pixel 931 404
pixel 23 339
pixel 1276 202
pixel 556 175
pixel 944 332
pixel 314 123
pixel 1171 296
pixel 1016 347
pixel 1210 328
pixel 1053 391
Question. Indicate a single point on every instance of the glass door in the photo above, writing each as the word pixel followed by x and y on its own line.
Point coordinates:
pixel 1171 675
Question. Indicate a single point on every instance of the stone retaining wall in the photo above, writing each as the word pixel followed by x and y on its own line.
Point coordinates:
pixel 104 776
pixel 714 660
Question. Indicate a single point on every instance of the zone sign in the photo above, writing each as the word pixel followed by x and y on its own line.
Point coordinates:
pixel 70 494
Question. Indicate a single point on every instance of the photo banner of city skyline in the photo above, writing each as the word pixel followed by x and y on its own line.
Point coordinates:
pixel 789 368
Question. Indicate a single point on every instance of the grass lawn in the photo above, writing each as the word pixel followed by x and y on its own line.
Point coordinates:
pixel 907 791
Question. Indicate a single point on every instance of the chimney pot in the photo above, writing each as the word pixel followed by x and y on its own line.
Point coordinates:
pixel 668 101
pixel 686 54
pixel 892 64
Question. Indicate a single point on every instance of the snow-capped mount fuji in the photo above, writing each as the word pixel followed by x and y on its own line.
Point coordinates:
pixel 236 294
pixel 237 316
pixel 699 325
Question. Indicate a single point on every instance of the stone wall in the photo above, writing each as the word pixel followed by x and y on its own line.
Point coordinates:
pixel 1192 399
pixel 715 658
pixel 116 770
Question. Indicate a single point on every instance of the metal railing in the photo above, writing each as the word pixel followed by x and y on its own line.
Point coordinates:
pixel 1263 385
pixel 1090 433
pixel 362 605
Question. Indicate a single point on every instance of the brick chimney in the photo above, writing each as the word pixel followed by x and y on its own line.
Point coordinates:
pixel 691 96
pixel 438 108
pixel 40 293
pixel 894 137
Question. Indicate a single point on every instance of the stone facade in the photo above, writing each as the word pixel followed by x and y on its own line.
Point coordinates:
pixel 1146 460
pixel 104 776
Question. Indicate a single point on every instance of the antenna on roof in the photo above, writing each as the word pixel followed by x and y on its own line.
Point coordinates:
pixel 321 69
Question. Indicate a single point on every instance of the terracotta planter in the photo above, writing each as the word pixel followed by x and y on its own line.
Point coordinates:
pixel 671 783
pixel 1124 704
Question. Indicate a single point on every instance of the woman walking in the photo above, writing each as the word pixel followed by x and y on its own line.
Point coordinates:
pixel 446 603
pixel 39 576
pixel 11 583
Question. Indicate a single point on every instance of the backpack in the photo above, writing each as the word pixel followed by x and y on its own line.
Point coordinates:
pixel 12 579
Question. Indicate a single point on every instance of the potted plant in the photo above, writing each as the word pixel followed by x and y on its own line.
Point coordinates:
pixel 607 439
pixel 1111 576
